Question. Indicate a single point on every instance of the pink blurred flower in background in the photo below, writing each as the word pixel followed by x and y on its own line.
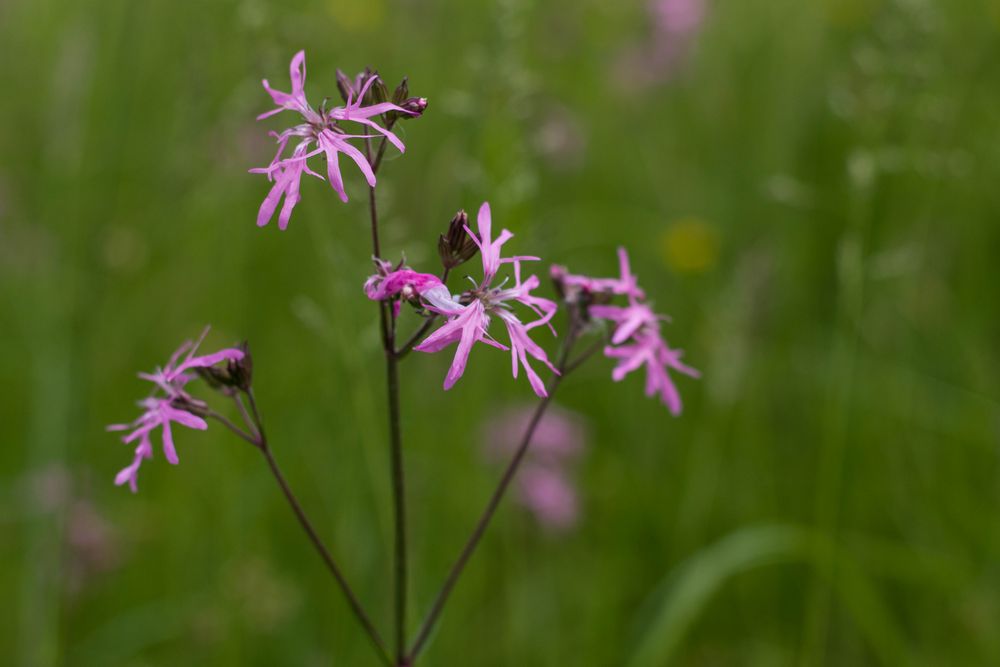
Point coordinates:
pixel 88 543
pixel 676 25
pixel 544 485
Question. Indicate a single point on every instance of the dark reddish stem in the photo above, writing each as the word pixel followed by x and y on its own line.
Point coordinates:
pixel 494 502
pixel 388 323
pixel 258 438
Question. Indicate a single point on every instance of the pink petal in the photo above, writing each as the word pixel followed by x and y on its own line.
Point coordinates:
pixel 168 444
pixel 297 73
pixel 472 328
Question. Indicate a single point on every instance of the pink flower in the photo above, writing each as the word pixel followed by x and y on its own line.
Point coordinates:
pixel 625 284
pixel 170 403
pixel 677 19
pixel 629 319
pixel 545 483
pixel 558 440
pixel 172 377
pixel 469 314
pixel 648 348
pixel 322 129
pixel 159 413
pixel 637 339
pixel 286 176
pixel 404 282
pixel 550 496
pixel 676 25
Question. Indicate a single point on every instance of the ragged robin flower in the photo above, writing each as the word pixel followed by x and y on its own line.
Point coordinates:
pixel 469 314
pixel 323 131
pixel 637 338
pixel 169 404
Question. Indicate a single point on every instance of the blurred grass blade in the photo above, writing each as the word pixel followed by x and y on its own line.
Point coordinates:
pixel 691 585
pixel 682 597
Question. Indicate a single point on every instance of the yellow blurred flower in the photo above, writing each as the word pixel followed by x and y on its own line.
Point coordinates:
pixel 358 14
pixel 994 11
pixel 850 13
pixel 690 245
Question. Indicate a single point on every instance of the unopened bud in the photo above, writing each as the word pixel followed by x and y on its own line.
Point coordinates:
pixel 402 92
pixel 576 297
pixel 190 404
pixel 415 105
pixel 362 79
pixel 241 370
pixel 401 98
pixel 377 92
pixel 216 378
pixel 237 374
pixel 558 273
pixel 345 86
pixel 456 246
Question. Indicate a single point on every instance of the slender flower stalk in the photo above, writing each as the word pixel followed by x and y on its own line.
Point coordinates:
pixel 544 486
pixel 563 367
pixel 388 325
pixel 259 440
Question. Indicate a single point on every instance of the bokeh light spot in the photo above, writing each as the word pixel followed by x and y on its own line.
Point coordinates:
pixel 690 245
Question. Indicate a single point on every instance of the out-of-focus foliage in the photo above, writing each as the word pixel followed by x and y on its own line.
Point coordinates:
pixel 809 189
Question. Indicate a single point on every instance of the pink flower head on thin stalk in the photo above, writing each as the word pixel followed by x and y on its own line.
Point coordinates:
pixel 545 483
pixel 469 314
pixel 322 132
pixel 169 404
pixel 637 338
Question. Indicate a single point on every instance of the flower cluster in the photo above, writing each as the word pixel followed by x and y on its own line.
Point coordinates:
pixel 545 486
pixel 468 315
pixel 323 131
pixel 637 339
pixel 169 403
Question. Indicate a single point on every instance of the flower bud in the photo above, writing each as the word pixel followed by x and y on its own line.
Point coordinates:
pixel 377 92
pixel 577 298
pixel 241 370
pixel 402 91
pixel 558 273
pixel 216 378
pixel 456 247
pixel 237 374
pixel 345 86
pixel 415 105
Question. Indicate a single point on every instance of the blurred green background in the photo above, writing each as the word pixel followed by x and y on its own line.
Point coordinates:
pixel 808 188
